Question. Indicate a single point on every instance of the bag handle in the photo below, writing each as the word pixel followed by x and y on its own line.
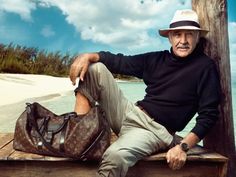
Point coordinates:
pixel 30 109
pixel 91 146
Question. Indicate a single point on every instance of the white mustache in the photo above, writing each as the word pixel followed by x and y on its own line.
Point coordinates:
pixel 183 47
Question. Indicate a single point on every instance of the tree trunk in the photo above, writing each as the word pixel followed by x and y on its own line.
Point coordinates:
pixel 213 17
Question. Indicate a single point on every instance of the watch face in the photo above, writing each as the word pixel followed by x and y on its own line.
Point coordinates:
pixel 184 147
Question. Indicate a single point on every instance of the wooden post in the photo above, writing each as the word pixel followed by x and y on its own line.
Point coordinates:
pixel 213 16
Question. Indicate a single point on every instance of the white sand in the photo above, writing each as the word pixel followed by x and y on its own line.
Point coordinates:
pixel 19 87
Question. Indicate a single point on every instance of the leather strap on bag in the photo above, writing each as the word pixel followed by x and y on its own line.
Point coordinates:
pixel 30 116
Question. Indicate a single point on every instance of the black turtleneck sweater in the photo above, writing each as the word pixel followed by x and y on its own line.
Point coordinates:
pixel 177 88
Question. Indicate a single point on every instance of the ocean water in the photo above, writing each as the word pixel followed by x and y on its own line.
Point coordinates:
pixel 132 90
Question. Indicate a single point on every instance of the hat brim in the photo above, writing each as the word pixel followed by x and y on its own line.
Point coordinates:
pixel 165 32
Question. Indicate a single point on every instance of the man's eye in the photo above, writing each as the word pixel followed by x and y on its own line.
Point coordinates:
pixel 177 34
pixel 189 34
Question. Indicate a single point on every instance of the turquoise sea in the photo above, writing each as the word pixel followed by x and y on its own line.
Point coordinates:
pixel 65 103
pixel 132 90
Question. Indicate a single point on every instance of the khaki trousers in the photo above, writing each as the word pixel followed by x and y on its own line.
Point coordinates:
pixel 138 134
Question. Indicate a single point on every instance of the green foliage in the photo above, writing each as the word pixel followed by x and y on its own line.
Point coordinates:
pixel 18 59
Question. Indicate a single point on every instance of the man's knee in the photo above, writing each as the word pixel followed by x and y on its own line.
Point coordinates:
pixel 115 163
pixel 117 158
pixel 97 68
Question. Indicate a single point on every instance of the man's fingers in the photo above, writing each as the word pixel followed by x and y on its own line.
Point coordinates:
pixel 82 75
pixel 72 78
pixel 75 70
pixel 168 157
pixel 73 75
pixel 176 164
pixel 79 68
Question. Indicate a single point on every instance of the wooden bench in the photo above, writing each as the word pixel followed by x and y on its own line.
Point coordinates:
pixel 200 163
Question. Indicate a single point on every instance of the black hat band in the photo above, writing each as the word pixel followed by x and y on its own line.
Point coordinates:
pixel 184 23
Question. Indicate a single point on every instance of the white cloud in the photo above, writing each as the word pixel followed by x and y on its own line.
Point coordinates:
pixel 47 31
pixel 118 23
pixel 121 24
pixel 22 8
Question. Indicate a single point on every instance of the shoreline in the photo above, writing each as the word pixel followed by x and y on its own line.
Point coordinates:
pixel 19 87
pixel 10 112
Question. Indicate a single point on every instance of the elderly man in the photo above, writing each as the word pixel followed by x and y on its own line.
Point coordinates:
pixel 180 83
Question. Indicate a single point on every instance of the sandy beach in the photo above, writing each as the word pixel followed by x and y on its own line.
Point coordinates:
pixel 17 89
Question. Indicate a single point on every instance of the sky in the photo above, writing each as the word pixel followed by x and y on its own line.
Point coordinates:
pixel 78 26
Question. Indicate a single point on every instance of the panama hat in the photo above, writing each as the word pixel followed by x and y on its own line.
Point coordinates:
pixel 183 19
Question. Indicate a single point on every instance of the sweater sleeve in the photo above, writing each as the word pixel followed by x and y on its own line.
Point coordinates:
pixel 121 64
pixel 209 99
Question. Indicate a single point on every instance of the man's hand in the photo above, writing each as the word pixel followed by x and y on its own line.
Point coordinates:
pixel 176 157
pixel 80 66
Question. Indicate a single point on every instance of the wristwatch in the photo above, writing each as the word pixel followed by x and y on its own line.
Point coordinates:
pixel 184 147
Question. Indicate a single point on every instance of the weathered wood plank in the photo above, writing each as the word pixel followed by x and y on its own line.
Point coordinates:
pixel 15 163
pixel 160 169
pixel 5 138
pixel 210 157
pixel 18 155
pixel 46 168
pixel 223 169
pixel 50 158
pixel 79 169
pixel 6 151
pixel 195 154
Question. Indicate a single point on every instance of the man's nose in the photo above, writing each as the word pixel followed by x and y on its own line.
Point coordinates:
pixel 183 39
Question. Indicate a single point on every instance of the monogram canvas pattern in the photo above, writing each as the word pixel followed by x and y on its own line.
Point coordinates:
pixel 67 135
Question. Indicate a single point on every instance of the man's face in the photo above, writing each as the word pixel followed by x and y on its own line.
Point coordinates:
pixel 183 41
